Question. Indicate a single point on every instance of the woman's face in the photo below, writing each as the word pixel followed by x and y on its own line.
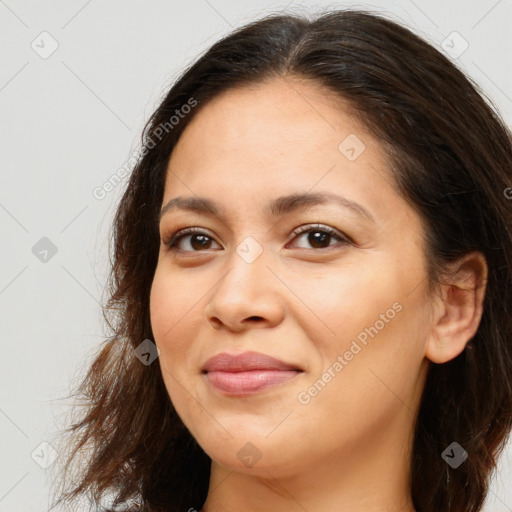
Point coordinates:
pixel 348 308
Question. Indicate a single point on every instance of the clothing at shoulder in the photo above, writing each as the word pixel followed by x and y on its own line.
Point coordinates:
pixel 133 508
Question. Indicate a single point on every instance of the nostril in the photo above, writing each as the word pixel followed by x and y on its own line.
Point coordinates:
pixel 216 322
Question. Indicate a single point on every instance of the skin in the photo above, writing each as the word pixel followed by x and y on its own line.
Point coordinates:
pixel 349 447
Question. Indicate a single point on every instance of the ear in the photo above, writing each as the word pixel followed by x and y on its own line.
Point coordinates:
pixel 458 308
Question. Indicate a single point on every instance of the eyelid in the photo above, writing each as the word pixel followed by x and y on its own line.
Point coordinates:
pixel 322 227
pixel 177 235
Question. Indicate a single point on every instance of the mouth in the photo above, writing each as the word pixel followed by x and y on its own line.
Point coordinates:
pixel 245 383
pixel 247 373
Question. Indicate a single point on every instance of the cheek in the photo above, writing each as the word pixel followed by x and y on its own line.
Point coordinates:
pixel 369 317
pixel 344 301
pixel 173 302
pixel 171 311
pixel 370 370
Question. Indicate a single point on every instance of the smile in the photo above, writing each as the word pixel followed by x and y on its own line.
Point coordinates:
pixel 248 382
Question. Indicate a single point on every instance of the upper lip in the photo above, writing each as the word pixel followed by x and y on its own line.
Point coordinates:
pixel 245 361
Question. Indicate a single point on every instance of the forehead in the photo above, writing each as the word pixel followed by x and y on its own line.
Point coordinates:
pixel 277 114
pixel 274 138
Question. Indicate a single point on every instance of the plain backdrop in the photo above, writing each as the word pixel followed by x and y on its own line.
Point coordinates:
pixel 78 79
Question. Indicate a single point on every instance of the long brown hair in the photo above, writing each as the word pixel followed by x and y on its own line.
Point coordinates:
pixel 451 157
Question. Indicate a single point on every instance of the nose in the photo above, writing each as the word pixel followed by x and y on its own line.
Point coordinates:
pixel 249 295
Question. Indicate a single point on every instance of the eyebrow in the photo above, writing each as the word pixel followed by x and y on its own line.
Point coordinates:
pixel 277 208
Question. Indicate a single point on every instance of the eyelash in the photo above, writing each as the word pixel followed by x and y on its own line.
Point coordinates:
pixel 176 237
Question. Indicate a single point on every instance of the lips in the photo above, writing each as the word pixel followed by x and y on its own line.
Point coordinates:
pixel 246 361
pixel 247 373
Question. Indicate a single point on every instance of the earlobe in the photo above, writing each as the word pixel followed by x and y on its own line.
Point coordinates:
pixel 458 308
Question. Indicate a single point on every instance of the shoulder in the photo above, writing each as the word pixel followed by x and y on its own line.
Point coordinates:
pixel 136 507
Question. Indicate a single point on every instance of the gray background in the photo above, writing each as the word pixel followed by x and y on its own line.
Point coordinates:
pixel 69 120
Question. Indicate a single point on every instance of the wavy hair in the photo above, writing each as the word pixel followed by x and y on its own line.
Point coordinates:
pixel 450 154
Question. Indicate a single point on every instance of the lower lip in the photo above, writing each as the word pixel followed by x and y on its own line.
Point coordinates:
pixel 246 383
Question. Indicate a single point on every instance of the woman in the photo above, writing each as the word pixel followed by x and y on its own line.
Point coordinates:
pixel 310 285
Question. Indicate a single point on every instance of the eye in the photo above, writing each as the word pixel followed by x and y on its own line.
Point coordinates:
pixel 319 235
pixel 199 240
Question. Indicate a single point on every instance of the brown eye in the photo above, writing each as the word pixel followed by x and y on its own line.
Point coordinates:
pixel 319 236
pixel 198 240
